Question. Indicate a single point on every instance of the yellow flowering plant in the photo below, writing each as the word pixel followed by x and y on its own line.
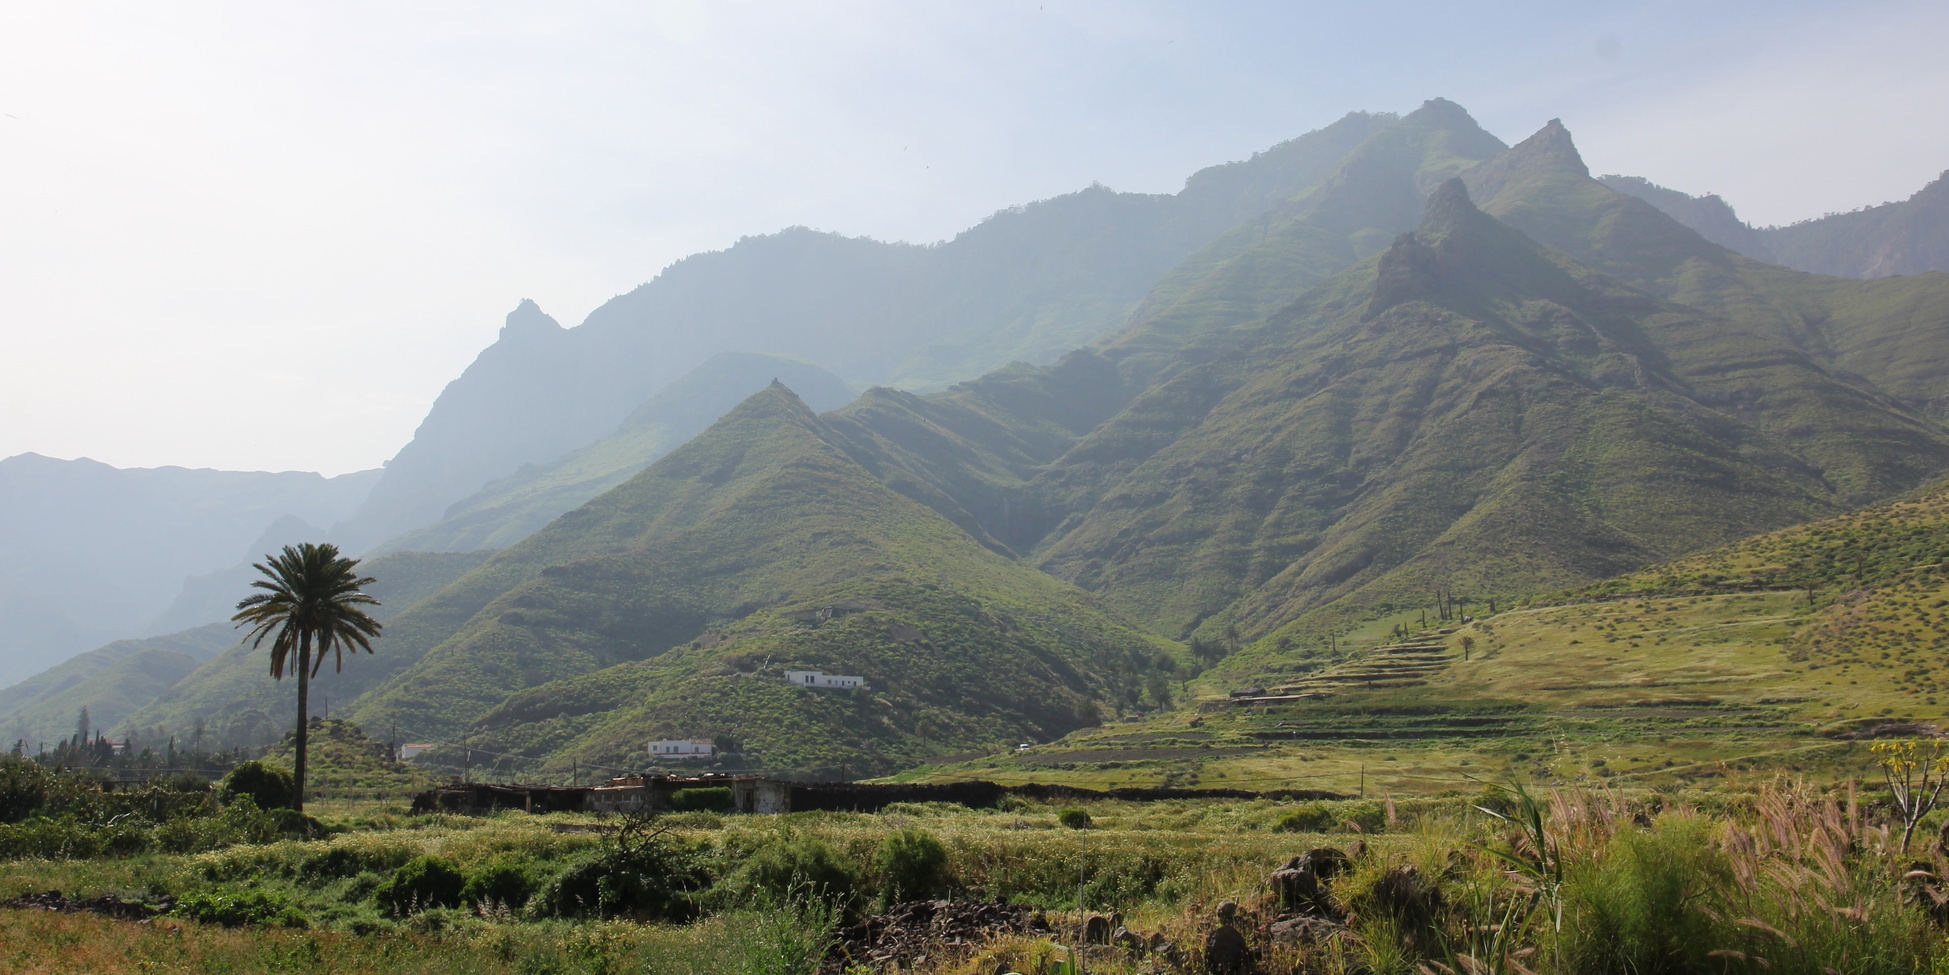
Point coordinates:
pixel 1915 771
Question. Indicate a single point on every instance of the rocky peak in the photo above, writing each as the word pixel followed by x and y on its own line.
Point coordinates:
pixel 1552 143
pixel 1408 271
pixel 527 319
pixel 1448 209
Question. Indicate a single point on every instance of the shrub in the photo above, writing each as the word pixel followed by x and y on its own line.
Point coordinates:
pixel 909 865
pixel 500 882
pixel 124 840
pixel 792 866
pixel 23 788
pixel 1368 817
pixel 1647 903
pixel 75 794
pixel 709 799
pixel 790 938
pixel 49 839
pixel 1075 819
pixel 349 859
pixel 252 906
pixel 652 879
pixel 268 786
pixel 293 823
pixel 420 884
pixel 1309 818
pixel 159 803
pixel 187 783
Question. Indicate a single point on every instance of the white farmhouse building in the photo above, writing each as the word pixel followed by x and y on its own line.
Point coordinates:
pixel 682 749
pixel 817 679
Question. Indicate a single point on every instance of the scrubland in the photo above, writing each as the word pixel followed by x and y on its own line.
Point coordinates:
pixel 1753 875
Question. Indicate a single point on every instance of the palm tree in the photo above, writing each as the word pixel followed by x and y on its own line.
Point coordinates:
pixel 311 598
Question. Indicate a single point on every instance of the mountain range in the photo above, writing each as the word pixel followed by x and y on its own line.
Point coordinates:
pixel 90 553
pixel 1412 362
pixel 1899 237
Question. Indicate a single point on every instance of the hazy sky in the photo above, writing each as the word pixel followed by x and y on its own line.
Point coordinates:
pixel 264 235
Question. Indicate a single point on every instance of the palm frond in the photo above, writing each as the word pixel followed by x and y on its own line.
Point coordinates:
pixel 311 596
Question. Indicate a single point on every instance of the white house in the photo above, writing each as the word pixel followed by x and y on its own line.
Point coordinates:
pixel 813 678
pixel 682 749
pixel 409 752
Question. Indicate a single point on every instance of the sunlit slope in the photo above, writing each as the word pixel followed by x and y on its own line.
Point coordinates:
pixel 1784 344
pixel 710 552
pixel 111 682
pixel 1783 652
pixel 1469 409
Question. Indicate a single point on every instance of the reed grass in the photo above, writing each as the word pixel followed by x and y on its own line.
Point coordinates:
pixel 1771 876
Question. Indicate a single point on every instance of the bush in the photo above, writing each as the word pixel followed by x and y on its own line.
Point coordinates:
pixel 651 879
pixel 239 822
pixel 1075 819
pixel 49 839
pixel 343 859
pixel 187 783
pixel 23 788
pixel 789 938
pixel 240 908
pixel 1647 904
pixel 1369 817
pixel 269 786
pixel 420 884
pixel 910 865
pixel 1309 818
pixel 790 867
pixel 709 799
pixel 501 882
pixel 159 803
pixel 124 840
pixel 293 823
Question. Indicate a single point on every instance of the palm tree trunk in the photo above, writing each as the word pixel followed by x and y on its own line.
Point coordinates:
pixel 304 720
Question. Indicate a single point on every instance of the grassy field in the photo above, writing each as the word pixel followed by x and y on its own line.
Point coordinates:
pixel 1645 881
pixel 1649 692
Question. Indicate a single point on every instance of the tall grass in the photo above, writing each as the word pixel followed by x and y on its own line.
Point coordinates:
pixel 1781 877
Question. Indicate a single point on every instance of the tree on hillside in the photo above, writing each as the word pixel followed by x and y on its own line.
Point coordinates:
pixel 312 601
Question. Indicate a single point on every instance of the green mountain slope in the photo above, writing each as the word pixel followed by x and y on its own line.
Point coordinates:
pixel 233 692
pixel 1028 283
pixel 1468 409
pixel 1372 194
pixel 726 548
pixel 514 507
pixel 1886 332
pixel 110 695
pixel 110 681
pixel 1555 387
pixel 1786 652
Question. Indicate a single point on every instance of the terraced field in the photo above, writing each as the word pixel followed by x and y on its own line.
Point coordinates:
pixel 1784 653
pixel 1642 691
